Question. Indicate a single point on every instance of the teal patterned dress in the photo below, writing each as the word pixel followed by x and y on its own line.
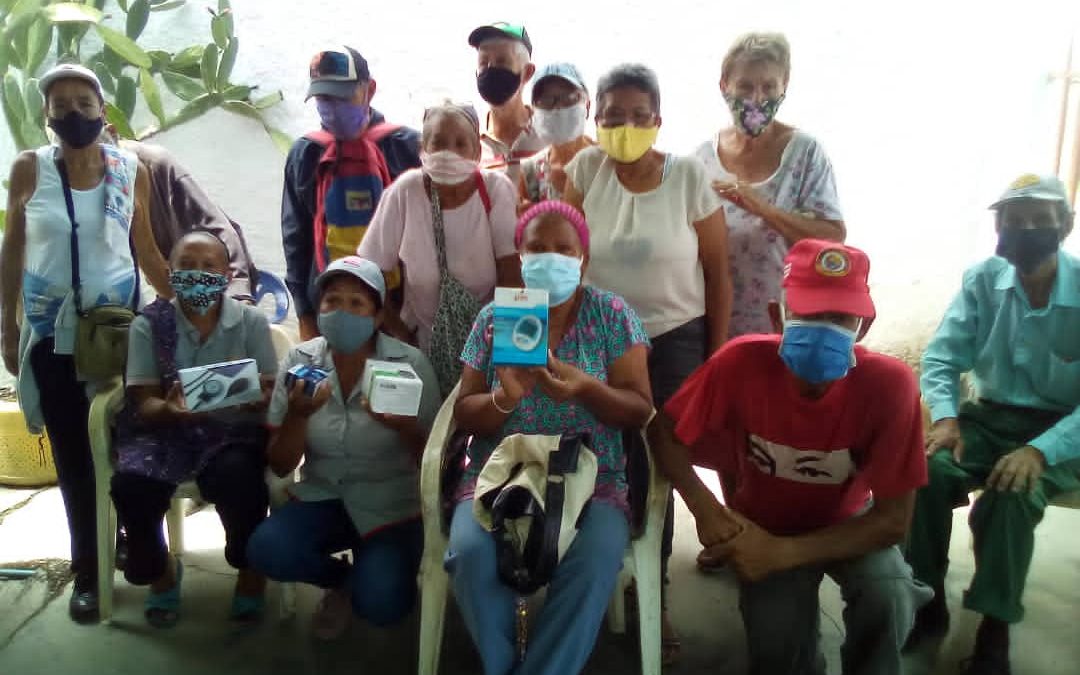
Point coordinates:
pixel 605 329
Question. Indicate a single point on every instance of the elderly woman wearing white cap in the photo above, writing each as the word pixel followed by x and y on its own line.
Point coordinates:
pixel 105 192
pixel 560 109
pixel 360 488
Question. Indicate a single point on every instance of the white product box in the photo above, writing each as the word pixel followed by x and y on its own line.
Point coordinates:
pixel 392 388
pixel 220 385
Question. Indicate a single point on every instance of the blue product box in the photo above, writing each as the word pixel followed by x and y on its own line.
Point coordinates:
pixel 311 376
pixel 521 327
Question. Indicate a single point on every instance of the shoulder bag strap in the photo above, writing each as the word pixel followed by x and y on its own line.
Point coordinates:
pixel 561 462
pixel 76 283
pixel 437 225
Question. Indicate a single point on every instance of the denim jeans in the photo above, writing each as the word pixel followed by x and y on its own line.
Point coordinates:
pixel 562 636
pixel 297 541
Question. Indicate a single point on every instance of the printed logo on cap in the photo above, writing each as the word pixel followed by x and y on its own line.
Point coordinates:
pixel 833 263
pixel 1025 181
pixel 787 270
pixel 332 65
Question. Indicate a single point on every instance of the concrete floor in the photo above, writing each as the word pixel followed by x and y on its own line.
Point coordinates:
pixel 37 637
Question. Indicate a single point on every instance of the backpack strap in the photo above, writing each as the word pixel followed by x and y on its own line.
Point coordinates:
pixel 322 137
pixel 378 132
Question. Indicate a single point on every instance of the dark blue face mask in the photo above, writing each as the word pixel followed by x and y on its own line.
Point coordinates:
pixel 817 351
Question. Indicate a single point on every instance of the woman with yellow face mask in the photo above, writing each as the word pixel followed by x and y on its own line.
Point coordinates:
pixel 658 238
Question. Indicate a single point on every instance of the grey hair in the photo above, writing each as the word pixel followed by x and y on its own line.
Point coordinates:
pixel 633 75
pixel 521 52
pixel 758 47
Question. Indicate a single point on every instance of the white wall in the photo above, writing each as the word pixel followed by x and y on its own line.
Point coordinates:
pixel 927 108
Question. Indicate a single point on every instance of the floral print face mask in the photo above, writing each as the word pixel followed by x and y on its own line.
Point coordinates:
pixel 753 118
pixel 198 290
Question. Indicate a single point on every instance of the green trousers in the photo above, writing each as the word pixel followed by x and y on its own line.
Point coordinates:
pixel 1002 523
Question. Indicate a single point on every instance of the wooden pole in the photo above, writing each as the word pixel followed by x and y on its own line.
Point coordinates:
pixel 1062 122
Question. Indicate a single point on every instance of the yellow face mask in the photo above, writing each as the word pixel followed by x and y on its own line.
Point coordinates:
pixel 626 144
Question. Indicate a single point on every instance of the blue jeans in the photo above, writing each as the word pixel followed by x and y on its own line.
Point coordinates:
pixel 562 636
pixel 297 541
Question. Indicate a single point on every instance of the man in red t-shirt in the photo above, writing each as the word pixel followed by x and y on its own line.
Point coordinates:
pixel 825 442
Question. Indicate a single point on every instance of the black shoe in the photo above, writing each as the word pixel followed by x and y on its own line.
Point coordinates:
pixel 991 655
pixel 121 552
pixel 931 622
pixel 83 606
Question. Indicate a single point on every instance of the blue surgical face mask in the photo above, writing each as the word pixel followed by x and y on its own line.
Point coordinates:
pixel 346 332
pixel 559 275
pixel 198 290
pixel 817 351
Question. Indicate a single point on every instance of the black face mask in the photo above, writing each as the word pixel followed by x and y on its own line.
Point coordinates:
pixel 75 130
pixel 497 85
pixel 1026 248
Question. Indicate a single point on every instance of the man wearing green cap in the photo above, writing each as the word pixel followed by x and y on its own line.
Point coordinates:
pixel 504 66
pixel 1013 326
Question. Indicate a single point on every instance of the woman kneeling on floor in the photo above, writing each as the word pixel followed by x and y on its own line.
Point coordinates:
pixel 360 488
pixel 162 441
pixel 596 384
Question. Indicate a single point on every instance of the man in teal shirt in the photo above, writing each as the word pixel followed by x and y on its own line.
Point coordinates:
pixel 1016 326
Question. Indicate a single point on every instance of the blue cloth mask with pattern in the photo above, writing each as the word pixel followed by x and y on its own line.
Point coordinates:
pixel 198 290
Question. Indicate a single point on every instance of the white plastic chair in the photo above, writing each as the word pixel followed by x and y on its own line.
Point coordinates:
pixel 103 410
pixel 641 562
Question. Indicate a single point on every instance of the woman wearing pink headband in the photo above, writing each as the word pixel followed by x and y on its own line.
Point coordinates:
pixel 596 383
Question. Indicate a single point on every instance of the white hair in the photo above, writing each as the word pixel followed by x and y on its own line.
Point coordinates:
pixel 521 52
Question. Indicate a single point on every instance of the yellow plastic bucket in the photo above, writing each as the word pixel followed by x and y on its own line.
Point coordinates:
pixel 25 460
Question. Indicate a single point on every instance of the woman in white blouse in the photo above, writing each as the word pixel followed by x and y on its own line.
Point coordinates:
pixel 658 238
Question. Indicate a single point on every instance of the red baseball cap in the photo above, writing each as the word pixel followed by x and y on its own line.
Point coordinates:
pixel 824 276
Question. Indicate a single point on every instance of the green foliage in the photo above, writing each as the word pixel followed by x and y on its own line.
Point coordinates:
pixel 199 75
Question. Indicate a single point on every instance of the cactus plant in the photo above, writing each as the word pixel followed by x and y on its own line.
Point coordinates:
pixel 199 76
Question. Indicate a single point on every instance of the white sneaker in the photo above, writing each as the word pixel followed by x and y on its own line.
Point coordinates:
pixel 333 615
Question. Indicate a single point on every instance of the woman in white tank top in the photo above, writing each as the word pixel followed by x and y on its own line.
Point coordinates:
pixel 110 195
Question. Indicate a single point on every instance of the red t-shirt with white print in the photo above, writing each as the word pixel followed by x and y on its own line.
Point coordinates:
pixel 802 464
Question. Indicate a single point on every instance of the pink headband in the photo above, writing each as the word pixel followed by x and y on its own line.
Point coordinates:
pixel 571 214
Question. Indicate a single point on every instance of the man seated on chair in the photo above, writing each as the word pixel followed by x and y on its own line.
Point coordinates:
pixel 360 487
pixel 161 442
pixel 1015 325
pixel 596 383
pixel 824 439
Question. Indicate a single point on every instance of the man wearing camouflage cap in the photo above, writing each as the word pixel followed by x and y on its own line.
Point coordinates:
pixel 1014 327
